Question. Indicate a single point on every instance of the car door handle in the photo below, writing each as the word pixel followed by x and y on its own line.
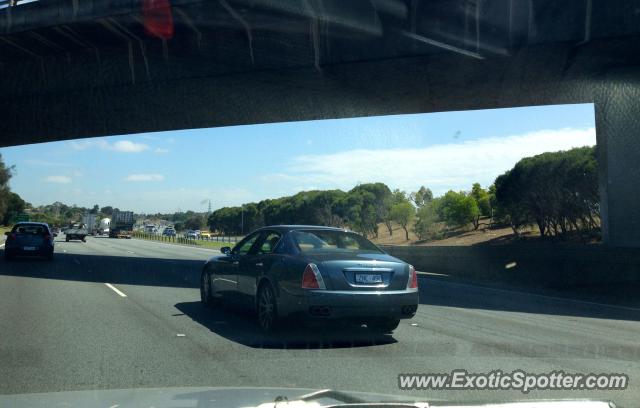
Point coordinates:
pixel 259 264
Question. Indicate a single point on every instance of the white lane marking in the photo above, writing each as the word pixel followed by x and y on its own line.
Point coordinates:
pixel 131 252
pixel 515 292
pixel 431 273
pixel 113 288
pixel 181 335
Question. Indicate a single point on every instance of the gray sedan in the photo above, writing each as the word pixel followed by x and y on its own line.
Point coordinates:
pixel 314 273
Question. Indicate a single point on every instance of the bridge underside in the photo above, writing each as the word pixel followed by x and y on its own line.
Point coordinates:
pixel 92 68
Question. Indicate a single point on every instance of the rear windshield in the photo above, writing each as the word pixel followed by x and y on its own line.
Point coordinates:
pixel 30 229
pixel 332 241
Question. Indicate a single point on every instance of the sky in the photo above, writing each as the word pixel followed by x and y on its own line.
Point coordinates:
pixel 179 170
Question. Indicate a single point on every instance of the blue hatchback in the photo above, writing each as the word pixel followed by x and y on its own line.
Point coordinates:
pixel 29 239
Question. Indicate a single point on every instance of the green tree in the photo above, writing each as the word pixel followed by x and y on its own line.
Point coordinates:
pixel 426 226
pixel 421 197
pixel 557 191
pixel 403 213
pixel 14 206
pixel 457 209
pixel 483 200
pixel 95 209
pixel 5 176
pixel 195 222
pixel 108 210
pixel 377 197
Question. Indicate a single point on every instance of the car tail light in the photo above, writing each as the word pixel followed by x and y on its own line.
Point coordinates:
pixel 412 283
pixel 311 278
pixel 11 236
pixel 47 237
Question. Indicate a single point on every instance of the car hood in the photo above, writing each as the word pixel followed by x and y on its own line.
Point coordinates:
pixel 242 397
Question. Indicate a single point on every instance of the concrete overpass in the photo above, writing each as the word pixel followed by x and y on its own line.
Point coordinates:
pixel 89 68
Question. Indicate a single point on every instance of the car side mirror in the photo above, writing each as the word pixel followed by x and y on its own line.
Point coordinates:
pixel 225 250
pixel 7 233
pixel 55 234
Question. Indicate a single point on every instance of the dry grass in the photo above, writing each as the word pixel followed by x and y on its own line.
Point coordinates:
pixel 457 237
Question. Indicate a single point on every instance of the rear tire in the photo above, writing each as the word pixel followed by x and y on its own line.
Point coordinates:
pixel 386 326
pixel 267 309
pixel 206 298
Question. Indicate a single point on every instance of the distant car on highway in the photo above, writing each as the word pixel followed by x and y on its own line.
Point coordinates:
pixel 169 232
pixel 76 232
pixel 205 234
pixel 314 273
pixel 29 239
pixel 191 234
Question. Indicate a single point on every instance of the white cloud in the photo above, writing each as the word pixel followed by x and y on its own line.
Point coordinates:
pixel 123 146
pixel 441 167
pixel 144 177
pixel 58 179
pixel 161 150
pixel 127 146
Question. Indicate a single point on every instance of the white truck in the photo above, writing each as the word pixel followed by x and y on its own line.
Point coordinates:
pixel 103 228
pixel 91 222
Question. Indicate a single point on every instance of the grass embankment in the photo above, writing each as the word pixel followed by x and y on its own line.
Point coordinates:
pixel 198 243
pixel 456 237
pixel 2 231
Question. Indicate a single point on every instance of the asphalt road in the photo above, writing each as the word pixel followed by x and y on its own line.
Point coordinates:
pixel 63 328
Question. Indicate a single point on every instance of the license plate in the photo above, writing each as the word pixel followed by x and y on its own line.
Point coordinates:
pixel 28 248
pixel 367 278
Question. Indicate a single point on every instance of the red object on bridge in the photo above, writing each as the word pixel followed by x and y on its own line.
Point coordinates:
pixel 157 18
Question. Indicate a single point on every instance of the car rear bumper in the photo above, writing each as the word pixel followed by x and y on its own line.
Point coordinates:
pixel 325 304
pixel 19 251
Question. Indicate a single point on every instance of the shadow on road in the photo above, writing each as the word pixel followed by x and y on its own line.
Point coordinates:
pixel 441 292
pixel 112 269
pixel 240 327
pixel 186 273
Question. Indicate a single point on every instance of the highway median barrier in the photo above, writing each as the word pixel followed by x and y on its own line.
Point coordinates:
pixel 548 265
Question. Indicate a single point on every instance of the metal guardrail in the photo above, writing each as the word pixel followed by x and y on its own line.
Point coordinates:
pixel 182 239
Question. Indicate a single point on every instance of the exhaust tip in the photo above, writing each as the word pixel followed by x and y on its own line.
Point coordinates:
pixel 321 311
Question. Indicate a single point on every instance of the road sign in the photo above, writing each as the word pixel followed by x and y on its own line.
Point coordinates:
pixel 22 218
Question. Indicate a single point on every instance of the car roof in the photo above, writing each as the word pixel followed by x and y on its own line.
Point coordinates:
pixel 43 224
pixel 287 228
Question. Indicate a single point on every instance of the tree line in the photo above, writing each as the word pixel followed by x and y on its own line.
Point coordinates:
pixel 11 204
pixel 557 192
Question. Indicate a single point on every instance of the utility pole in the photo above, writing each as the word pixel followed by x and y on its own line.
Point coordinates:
pixel 242 219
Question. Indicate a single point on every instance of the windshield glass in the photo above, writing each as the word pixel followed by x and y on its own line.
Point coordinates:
pixel 431 199
pixel 29 229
